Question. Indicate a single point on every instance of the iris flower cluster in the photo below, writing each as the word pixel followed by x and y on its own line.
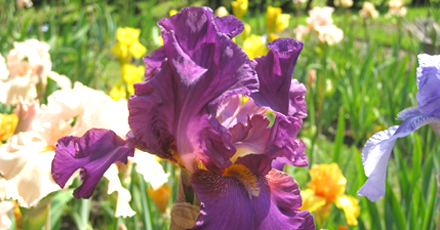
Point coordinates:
pixel 377 150
pixel 203 106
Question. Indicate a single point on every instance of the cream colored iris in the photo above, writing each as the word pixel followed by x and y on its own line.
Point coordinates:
pixel 326 187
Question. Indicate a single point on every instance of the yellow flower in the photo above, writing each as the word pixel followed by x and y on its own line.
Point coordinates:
pixel 132 74
pixel 221 12
pixel 246 32
pixel 8 122
pixel 276 22
pixel 239 8
pixel 326 187
pixel 128 35
pixel 282 22
pixel 128 45
pixel 272 37
pixel 119 91
pixel 173 12
pixel 254 46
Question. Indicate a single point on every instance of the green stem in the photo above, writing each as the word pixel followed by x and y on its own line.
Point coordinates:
pixel 146 214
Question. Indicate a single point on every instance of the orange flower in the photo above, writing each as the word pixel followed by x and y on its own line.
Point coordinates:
pixel 160 197
pixel 326 187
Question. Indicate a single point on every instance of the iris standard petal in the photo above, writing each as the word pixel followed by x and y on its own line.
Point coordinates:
pixel 428 83
pixel 227 198
pixel 277 89
pixel 297 157
pixel 174 111
pixel 154 62
pixel 258 145
pixel 93 153
pixel 284 133
pixel 377 151
pixel 228 109
pixel 229 25
pixel 196 31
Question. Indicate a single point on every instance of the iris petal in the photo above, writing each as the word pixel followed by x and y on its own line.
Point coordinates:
pixel 377 151
pixel 428 83
pixel 408 113
pixel 93 153
pixel 174 111
pixel 351 208
pixel 225 198
pixel 277 89
pixel 311 202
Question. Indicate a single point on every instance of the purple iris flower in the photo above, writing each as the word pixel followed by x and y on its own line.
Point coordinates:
pixel 191 111
pixel 93 153
pixel 377 150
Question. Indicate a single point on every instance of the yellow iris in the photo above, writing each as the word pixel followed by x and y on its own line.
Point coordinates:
pixel 239 8
pixel 173 12
pixel 276 21
pixel 246 32
pixel 124 87
pixel 132 74
pixel 8 122
pixel 254 46
pixel 119 91
pixel 326 187
pixel 128 45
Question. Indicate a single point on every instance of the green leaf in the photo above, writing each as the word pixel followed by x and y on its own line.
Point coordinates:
pixel 339 139
pixel 35 217
pixel 391 201
pixel 59 201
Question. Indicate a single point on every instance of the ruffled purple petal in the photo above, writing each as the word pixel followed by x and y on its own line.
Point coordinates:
pixel 248 110
pixel 196 31
pixel 154 62
pixel 268 144
pixel 230 111
pixel 94 152
pixel 428 83
pixel 254 135
pixel 226 204
pixel 174 111
pixel 297 157
pixel 254 139
pixel 277 89
pixel 229 25
pixel 284 142
pixel 227 110
pixel 377 151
